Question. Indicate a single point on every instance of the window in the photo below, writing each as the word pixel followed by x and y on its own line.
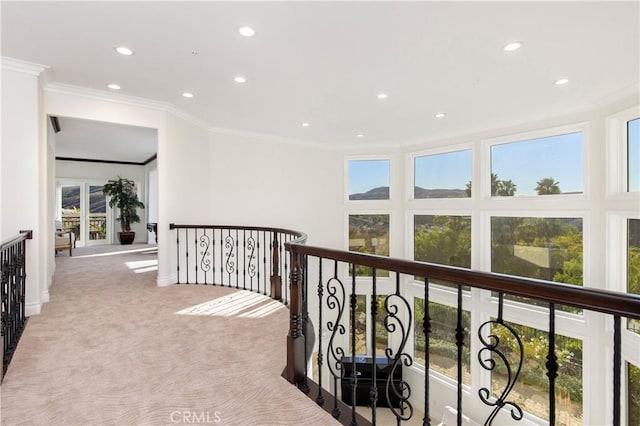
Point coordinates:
pixel 443 352
pixel 543 166
pixel 531 390
pixel 442 239
pixel 369 233
pixel 633 394
pixel 368 180
pixel 633 266
pixel 544 248
pixel 443 175
pixel 363 315
pixel 633 155
pixel 360 326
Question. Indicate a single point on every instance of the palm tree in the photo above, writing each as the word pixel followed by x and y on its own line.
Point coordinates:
pixel 507 188
pixel 548 186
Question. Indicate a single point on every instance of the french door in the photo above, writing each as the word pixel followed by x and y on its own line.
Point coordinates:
pixel 82 209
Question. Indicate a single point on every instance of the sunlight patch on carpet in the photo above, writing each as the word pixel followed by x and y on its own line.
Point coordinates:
pixel 141 266
pixel 147 250
pixel 243 303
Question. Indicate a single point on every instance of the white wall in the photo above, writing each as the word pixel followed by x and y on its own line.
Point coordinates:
pixel 151 173
pixel 267 183
pixel 100 173
pixel 183 182
pixel 23 146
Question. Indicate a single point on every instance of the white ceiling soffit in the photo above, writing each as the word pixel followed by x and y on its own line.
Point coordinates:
pixel 96 140
pixel 324 63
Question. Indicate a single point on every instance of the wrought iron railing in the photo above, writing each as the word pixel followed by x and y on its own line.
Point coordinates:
pixel 13 278
pixel 323 303
pixel 244 257
pixel 321 287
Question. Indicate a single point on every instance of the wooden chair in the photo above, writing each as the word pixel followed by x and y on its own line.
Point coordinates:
pixel 65 240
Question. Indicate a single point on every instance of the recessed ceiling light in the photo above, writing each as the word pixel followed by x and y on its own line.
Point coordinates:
pixel 113 86
pixel 124 51
pixel 382 96
pixel 562 81
pixel 360 135
pixel 512 46
pixel 187 95
pixel 439 115
pixel 246 31
pixel 305 124
pixel 240 79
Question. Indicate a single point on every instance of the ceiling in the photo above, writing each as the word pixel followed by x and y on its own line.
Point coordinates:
pixel 97 140
pixel 324 63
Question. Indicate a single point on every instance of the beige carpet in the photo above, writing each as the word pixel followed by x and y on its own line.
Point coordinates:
pixel 112 348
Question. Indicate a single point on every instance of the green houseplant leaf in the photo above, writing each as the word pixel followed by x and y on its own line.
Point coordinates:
pixel 123 196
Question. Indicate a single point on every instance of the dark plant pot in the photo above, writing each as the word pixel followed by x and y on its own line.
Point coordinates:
pixel 126 237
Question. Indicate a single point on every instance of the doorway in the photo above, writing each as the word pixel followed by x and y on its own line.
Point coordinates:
pixel 82 209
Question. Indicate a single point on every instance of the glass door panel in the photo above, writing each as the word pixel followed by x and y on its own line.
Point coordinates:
pixel 97 218
pixel 71 210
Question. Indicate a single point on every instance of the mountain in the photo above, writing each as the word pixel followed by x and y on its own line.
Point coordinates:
pixel 71 198
pixel 382 193
pixel 419 192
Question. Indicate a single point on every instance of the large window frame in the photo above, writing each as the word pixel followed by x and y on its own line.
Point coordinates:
pixel 604 206
pixel 488 144
pixel 354 203
pixel 411 171
pixel 617 153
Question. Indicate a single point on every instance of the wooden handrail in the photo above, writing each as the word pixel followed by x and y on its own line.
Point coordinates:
pixel 609 302
pixel 23 235
pixel 301 237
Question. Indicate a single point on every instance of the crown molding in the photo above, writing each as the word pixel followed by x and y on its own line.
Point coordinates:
pixel 103 95
pixel 173 110
pixel 106 96
pixel 134 101
pixel 25 67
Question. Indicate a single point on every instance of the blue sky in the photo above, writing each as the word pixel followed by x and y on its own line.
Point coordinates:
pixel 524 162
pixel 443 171
pixel 365 175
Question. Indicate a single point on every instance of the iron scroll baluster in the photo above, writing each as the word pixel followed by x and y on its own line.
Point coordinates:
pixel 335 301
pixel 354 370
pixel 320 398
pixel 392 322
pixel 251 259
pixel 426 329
pixel 205 254
pixel 230 264
pixel 491 347
pixel 459 345
pixel 552 364
pixel 373 391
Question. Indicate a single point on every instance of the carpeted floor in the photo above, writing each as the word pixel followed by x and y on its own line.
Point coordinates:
pixel 112 348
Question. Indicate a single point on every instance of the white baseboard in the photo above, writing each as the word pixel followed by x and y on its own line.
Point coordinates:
pixel 167 280
pixel 44 296
pixel 32 309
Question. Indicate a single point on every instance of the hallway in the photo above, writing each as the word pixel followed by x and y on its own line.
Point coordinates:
pixel 113 348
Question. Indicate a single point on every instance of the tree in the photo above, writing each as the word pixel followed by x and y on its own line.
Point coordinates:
pixel 548 186
pixel 504 188
pixel 507 188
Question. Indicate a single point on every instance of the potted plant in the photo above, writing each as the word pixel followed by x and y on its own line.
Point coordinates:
pixel 123 195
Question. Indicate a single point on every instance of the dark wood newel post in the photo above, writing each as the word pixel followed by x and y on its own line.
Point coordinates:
pixel 295 338
pixel 276 280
